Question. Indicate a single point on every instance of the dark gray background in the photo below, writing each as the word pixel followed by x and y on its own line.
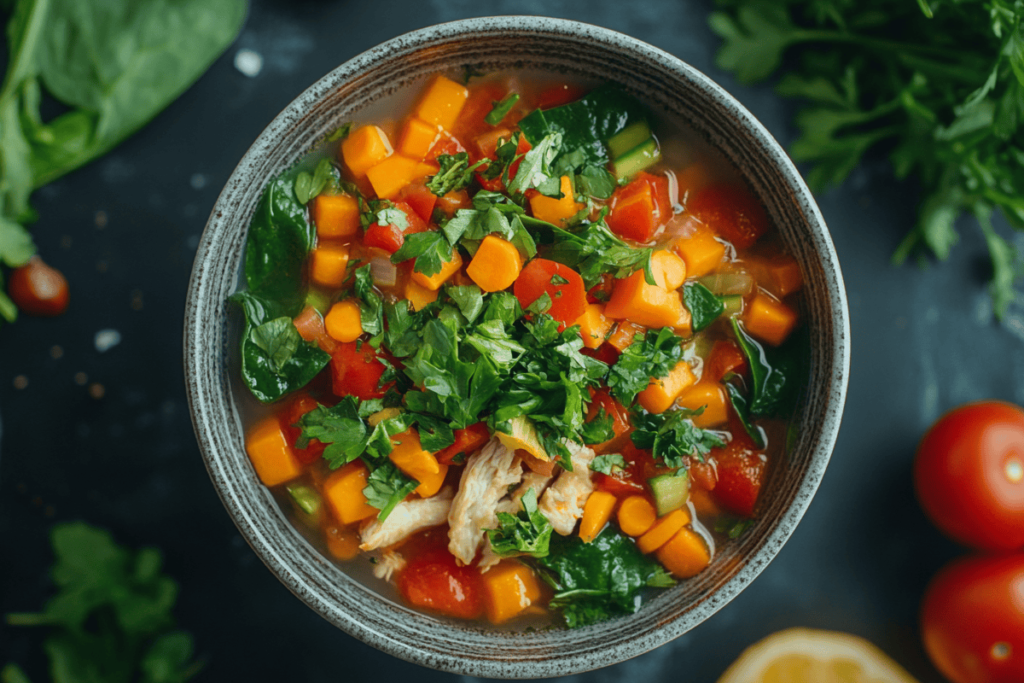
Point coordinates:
pixel 924 340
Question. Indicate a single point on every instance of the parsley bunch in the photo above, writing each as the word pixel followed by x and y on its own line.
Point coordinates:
pixel 937 84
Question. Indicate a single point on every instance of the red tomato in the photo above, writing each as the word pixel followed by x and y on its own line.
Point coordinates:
pixel 557 95
pixel 969 475
pixel 38 289
pixel 421 200
pixel 640 208
pixel 606 353
pixel 620 416
pixel 725 357
pixel 386 237
pixel 356 371
pixel 741 471
pixel 299 407
pixel 972 620
pixel 433 581
pixel 568 295
pixel 732 212
pixel 467 440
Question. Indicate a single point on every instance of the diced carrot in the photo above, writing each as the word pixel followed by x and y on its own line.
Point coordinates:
pixel 701 252
pixel 335 215
pixel 662 392
pixel 685 554
pixel 669 270
pixel 409 456
pixel 562 284
pixel 441 103
pixel 711 395
pixel 271 454
pixel 624 334
pixel 389 176
pixel 509 588
pixel 596 513
pixel 344 321
pixel 785 275
pixel 684 326
pixel 594 326
pixel 310 325
pixel 553 210
pixel 663 530
pixel 448 268
pixel 343 492
pixel 342 542
pixel 453 201
pixel 769 320
pixel 644 304
pixel 418 137
pixel 636 515
pixel 364 148
pixel 418 295
pixel 496 264
pixel 328 263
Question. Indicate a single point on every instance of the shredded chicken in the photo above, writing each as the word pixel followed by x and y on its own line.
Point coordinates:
pixel 485 481
pixel 387 564
pixel 405 519
pixel 563 501
pixel 531 480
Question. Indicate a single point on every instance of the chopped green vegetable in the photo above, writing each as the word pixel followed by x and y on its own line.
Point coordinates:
pixel 596 251
pixel 386 487
pixel 598 430
pixel 740 405
pixel 455 173
pixel 431 250
pixel 606 463
pixel 671 436
pixel 642 156
pixel 305 497
pixel 773 373
pixel 111 617
pixel 650 355
pixel 671 491
pixel 501 109
pixel 308 186
pixel 631 136
pixel 527 533
pixel 939 84
pixel 704 306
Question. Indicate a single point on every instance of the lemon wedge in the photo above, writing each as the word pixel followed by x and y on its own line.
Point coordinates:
pixel 800 655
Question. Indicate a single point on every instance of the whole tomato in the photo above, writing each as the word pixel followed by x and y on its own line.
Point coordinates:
pixel 969 475
pixel 972 621
pixel 38 289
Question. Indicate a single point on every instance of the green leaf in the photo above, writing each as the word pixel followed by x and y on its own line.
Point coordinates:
pixel 652 354
pixel 704 306
pixel 386 487
pixel 501 109
pixel 535 168
pixel 339 427
pixel 605 464
pixel 431 250
pixel 279 339
pixel 598 430
pixel 1006 267
pixel 741 407
pixel 469 299
pixel 527 533
pixel 454 174
pixel 754 40
pixel 671 436
pixel 773 373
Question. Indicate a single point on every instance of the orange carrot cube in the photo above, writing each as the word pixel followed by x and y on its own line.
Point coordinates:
pixel 448 268
pixel 418 137
pixel 271 454
pixel 594 326
pixel 335 215
pixel 391 175
pixel 644 304
pixel 441 103
pixel 509 588
pixel 712 397
pixel 418 295
pixel 343 492
pixel 662 392
pixel 364 148
pixel 768 319
pixel 328 264
pixel 556 211
pixel 701 252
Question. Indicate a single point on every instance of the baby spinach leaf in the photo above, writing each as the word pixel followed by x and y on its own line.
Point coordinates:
pixel 308 186
pixel 271 368
pixel 704 306
pixel 773 373
pixel 526 533
pixel 739 404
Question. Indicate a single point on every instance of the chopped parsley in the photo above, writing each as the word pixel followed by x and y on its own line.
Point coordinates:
pixel 527 533
pixel 650 355
pixel 671 436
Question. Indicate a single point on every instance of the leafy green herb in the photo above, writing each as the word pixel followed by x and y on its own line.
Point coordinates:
pixel 939 85
pixel 605 464
pixel 650 355
pixel 454 174
pixel 557 279
pixel 501 109
pixel 279 339
pixel 339 427
pixel 371 305
pixel 102 61
pixel 341 132
pixel 390 215
pixel 773 373
pixel 527 533
pixel 431 250
pixel 731 526
pixel 671 436
pixel 598 430
pixel 469 299
pixel 386 487
pixel 704 306
pixel 597 580
pixel 596 251
pixel 535 168
pixel 309 186
pixel 111 617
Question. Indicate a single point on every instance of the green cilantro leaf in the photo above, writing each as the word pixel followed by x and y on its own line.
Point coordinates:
pixel 599 429
pixel 455 173
pixel 649 356
pixel 535 168
pixel 671 436
pixel 605 463
pixel 386 487
pixel 430 249
pixel 527 533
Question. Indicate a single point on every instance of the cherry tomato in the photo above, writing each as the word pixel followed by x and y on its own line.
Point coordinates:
pixel 433 581
pixel 969 475
pixel 563 284
pixel 38 289
pixel 732 212
pixel 972 620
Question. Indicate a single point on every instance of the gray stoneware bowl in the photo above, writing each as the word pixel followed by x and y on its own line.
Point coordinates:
pixel 490 44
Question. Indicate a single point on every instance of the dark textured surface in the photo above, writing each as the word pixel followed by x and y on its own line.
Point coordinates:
pixel 923 342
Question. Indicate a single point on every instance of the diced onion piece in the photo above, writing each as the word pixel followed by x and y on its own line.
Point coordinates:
pixel 725 284
pixel 383 271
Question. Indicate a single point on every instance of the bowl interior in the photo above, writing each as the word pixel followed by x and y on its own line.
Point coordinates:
pixel 487 45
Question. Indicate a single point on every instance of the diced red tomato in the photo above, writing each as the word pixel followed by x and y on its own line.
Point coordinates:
pixel 741 472
pixel 356 371
pixel 420 199
pixel 310 325
pixel 299 407
pixel 446 145
pixel 732 212
pixel 467 440
pixel 389 237
pixel 568 296
pixel 602 400
pixel 602 291
pixel 606 353
pixel 557 95
pixel 725 358
pixel 478 105
pixel 640 208
pixel 433 581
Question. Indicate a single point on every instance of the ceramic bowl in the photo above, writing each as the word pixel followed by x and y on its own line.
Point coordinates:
pixel 493 44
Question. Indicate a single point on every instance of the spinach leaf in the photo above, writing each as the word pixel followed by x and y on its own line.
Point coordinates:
pixel 501 109
pixel 704 306
pixel 276 247
pixel 774 373
pixel 469 299
pixel 587 123
pixel 595 580
pixel 671 436
pixel 271 367
pixel 739 404
pixel 526 533
pixel 308 186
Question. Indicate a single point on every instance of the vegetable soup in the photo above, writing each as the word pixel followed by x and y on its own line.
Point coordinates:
pixel 527 350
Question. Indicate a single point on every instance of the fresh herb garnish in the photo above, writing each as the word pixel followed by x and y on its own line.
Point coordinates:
pixel 308 186
pixel 595 251
pixel 651 355
pixel 535 168
pixel 431 250
pixel 501 109
pixel 454 174
pixel 598 430
pixel 386 487
pixel 671 436
pixel 606 464
pixel 525 533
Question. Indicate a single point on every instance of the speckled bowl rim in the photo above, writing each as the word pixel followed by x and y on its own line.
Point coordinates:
pixel 391 627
